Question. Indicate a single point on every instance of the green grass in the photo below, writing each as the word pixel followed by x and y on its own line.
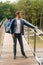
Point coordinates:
pixel 41 36
pixel 39 42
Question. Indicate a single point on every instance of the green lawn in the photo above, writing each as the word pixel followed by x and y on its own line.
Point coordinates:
pixel 42 37
pixel 39 42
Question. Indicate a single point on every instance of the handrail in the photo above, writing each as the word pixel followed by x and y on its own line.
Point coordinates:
pixel 33 51
pixel 2 22
pixel 34 34
pixel 2 32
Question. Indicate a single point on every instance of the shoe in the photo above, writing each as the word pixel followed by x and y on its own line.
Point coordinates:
pixel 25 56
pixel 14 57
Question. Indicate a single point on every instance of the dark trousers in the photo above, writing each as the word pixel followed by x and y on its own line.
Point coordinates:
pixel 19 37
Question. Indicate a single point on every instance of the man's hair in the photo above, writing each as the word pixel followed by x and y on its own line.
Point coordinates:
pixel 18 12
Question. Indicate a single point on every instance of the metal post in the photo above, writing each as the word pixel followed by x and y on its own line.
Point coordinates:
pixel 34 42
pixel 28 35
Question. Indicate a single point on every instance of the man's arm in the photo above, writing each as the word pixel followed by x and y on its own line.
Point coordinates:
pixel 28 24
pixel 12 26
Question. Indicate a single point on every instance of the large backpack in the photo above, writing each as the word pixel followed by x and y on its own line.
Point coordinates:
pixel 7 26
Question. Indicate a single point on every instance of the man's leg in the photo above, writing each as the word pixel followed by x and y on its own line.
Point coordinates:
pixel 14 46
pixel 21 45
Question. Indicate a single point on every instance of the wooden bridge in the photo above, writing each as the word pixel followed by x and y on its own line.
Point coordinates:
pixel 6 51
pixel 6 57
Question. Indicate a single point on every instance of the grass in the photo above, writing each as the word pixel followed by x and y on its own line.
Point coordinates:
pixel 39 42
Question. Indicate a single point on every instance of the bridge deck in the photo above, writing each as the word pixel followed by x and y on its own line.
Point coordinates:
pixel 6 57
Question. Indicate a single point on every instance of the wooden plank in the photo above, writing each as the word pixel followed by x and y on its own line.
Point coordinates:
pixel 6 57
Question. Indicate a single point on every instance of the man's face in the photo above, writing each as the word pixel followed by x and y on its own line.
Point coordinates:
pixel 19 15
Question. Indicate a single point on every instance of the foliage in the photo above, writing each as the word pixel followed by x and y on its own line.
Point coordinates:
pixel 32 10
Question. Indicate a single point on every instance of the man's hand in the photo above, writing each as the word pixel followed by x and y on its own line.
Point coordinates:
pixel 35 29
pixel 13 35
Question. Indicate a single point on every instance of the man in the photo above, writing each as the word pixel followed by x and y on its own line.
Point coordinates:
pixel 17 29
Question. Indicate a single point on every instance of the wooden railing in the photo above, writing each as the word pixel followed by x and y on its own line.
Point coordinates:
pixel 31 37
pixel 2 31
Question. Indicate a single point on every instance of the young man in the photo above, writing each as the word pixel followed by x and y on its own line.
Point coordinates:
pixel 17 29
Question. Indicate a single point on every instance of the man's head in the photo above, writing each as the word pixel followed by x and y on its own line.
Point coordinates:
pixel 18 14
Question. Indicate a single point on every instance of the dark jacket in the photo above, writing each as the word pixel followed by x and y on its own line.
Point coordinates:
pixel 23 22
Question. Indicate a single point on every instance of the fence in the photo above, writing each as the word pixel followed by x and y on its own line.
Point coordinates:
pixel 35 41
pixel 2 32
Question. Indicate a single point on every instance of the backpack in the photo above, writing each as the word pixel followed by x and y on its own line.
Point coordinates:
pixel 7 26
